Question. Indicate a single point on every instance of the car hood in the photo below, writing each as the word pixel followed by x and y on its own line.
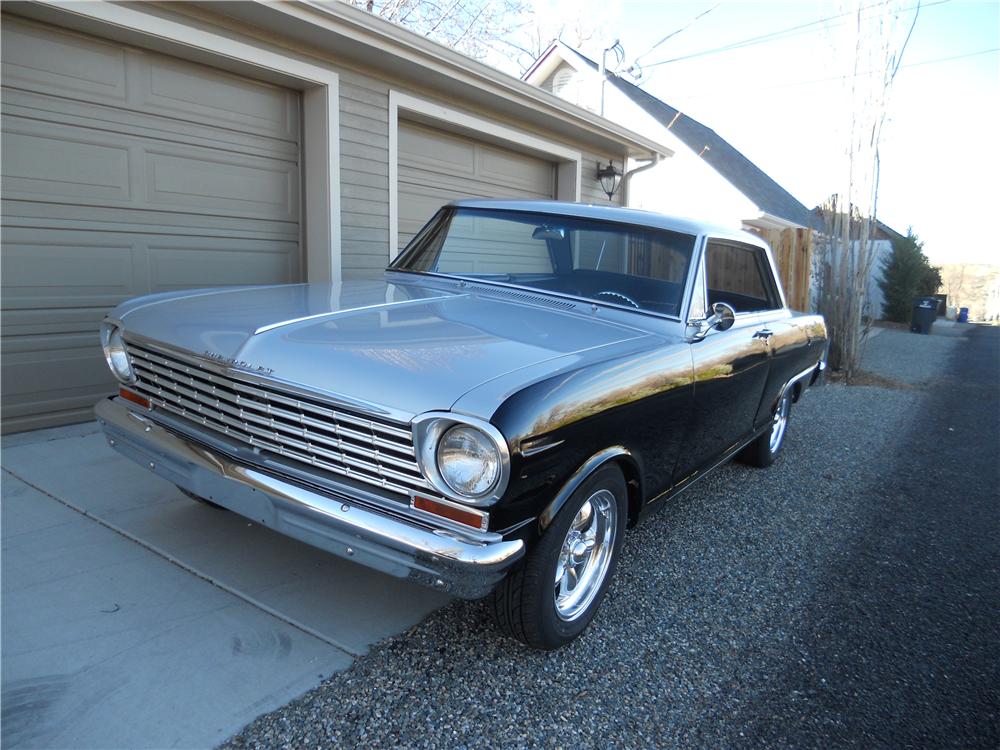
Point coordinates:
pixel 399 347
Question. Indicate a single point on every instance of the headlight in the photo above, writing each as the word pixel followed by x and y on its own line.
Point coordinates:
pixel 468 460
pixel 115 354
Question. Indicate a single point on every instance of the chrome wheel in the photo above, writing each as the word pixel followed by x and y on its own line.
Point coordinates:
pixel 779 423
pixel 586 554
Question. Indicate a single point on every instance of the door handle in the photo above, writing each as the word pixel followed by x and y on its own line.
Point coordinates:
pixel 763 333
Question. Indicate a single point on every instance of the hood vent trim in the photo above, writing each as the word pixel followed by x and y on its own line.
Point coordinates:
pixel 523 296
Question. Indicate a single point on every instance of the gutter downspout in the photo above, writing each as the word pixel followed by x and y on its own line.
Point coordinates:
pixel 627 178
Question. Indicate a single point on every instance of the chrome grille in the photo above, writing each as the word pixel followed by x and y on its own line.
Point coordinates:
pixel 355 445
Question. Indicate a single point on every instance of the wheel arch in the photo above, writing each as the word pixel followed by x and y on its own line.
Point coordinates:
pixel 621 457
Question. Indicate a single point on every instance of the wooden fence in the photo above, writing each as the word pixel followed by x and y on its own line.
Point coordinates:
pixel 793 253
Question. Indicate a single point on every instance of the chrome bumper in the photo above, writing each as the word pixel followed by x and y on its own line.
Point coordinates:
pixel 330 521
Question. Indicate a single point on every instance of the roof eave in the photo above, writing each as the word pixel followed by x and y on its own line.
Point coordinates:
pixel 351 29
pixel 764 220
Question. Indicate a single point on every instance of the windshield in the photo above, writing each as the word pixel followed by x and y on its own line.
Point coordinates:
pixel 607 262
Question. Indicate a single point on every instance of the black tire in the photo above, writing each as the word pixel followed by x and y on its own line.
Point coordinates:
pixel 200 499
pixel 760 452
pixel 524 604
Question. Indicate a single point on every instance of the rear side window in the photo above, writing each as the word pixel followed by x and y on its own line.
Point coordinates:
pixel 740 276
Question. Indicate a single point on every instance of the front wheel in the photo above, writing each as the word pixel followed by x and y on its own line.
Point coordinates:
pixel 554 594
pixel 765 449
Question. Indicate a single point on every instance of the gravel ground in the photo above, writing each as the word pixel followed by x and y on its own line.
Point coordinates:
pixel 850 595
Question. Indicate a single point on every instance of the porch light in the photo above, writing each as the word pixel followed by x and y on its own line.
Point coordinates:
pixel 610 177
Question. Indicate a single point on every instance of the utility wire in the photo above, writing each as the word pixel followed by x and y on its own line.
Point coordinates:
pixel 863 72
pixel 672 34
pixel 781 33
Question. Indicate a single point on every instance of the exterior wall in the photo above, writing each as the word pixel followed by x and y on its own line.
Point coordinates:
pixel 574 86
pixel 881 252
pixel 364 173
pixel 874 300
pixel 683 184
pixel 992 311
pixel 347 123
pixel 590 188
pixel 365 181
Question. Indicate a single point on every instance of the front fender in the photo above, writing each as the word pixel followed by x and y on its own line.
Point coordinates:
pixel 592 464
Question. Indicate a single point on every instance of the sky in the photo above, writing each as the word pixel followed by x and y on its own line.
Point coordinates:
pixel 783 101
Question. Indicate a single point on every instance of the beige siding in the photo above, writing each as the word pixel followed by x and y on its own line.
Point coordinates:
pixel 364 172
pixel 590 187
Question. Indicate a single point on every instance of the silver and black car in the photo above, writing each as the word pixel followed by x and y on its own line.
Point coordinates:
pixel 525 381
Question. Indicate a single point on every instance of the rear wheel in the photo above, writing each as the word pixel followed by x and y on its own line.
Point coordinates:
pixel 765 449
pixel 554 594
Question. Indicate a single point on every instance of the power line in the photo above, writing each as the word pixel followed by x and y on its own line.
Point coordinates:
pixel 865 72
pixel 672 34
pixel 781 33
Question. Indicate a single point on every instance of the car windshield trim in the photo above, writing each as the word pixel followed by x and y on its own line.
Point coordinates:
pixel 534 290
pixel 437 230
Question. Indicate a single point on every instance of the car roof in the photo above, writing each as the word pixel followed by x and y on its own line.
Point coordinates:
pixel 633 216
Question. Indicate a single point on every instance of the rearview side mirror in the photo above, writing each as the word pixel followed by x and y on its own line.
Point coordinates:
pixel 722 318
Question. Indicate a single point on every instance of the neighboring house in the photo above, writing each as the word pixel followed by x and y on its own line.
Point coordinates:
pixel 880 250
pixel 992 305
pixel 707 177
pixel 159 146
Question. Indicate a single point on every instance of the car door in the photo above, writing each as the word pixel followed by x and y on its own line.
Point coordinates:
pixel 788 344
pixel 730 367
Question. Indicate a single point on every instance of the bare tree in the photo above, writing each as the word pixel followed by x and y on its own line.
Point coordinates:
pixel 954 279
pixel 507 34
pixel 474 27
pixel 844 255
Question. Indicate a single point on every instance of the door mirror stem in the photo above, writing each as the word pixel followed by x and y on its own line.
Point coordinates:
pixel 722 318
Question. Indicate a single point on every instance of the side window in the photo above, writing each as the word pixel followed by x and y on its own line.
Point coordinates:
pixel 740 276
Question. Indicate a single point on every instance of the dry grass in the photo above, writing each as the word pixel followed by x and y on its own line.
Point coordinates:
pixel 863 377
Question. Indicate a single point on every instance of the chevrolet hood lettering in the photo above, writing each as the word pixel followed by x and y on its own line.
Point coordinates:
pixel 357 339
pixel 238 363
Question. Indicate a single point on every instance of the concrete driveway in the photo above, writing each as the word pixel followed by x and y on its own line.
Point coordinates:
pixel 134 617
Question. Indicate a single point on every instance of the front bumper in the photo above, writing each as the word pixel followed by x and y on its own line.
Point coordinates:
pixel 328 520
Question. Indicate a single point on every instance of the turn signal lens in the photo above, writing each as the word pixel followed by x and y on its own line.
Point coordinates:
pixel 135 398
pixel 474 518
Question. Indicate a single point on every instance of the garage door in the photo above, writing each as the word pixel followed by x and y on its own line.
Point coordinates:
pixel 124 173
pixel 437 167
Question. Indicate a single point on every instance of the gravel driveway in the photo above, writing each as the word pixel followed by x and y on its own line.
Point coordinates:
pixel 848 596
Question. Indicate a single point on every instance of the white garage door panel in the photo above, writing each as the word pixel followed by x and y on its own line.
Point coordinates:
pixel 44 270
pixel 220 185
pixel 39 166
pixel 127 172
pixel 35 382
pixel 217 264
pixel 179 89
pixel 50 108
pixel 436 167
pixel 77 216
pixel 43 59
pixel 99 168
